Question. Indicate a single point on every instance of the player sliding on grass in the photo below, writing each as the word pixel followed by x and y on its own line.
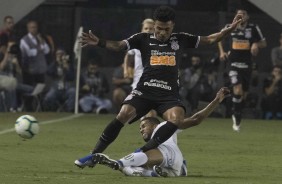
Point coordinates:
pixel 166 159
pixel 158 87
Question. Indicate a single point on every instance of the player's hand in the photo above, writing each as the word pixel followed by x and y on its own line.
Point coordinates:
pixel 222 94
pixel 236 21
pixel 254 49
pixel 88 39
pixel 223 56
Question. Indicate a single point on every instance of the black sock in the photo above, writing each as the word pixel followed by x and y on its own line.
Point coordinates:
pixel 108 136
pixel 237 108
pixel 161 135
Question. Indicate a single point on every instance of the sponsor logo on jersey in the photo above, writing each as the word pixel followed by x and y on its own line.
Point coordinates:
pixel 248 33
pixel 238 44
pixel 158 84
pixel 174 45
pixel 162 58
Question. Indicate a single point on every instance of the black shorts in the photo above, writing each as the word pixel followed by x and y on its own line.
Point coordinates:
pixel 143 105
pixel 240 76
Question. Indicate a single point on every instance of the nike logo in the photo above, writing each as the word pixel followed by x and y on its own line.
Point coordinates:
pixel 152 44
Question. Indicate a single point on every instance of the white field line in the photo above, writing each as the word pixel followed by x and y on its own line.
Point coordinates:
pixel 46 122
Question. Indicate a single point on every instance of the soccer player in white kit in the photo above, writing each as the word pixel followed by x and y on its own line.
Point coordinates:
pixel 166 159
pixel 133 67
pixel 133 60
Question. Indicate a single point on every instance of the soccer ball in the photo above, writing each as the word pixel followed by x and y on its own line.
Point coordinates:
pixel 27 126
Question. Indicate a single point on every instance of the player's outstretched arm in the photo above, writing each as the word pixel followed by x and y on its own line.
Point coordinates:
pixel 91 39
pixel 216 37
pixel 198 117
pixel 222 54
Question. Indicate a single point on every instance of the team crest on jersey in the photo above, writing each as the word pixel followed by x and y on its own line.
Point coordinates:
pixel 174 45
pixel 248 33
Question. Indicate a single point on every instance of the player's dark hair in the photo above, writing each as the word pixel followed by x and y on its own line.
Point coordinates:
pixel 164 14
pixel 7 17
pixel 93 62
pixel 277 66
pixel 152 120
pixel 242 8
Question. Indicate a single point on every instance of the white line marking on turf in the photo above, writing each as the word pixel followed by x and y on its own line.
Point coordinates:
pixel 46 122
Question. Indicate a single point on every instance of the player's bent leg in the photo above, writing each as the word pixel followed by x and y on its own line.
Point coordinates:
pixel 110 133
pixel 237 106
pixel 174 117
pixel 155 157
pixel 134 159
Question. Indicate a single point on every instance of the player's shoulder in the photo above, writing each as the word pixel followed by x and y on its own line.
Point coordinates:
pixel 133 51
pixel 140 34
pixel 252 25
pixel 181 34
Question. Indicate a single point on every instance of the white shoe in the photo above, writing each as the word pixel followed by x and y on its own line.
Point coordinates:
pixel 235 126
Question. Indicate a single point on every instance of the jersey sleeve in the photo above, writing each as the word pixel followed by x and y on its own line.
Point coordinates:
pixel 258 36
pixel 188 40
pixel 134 42
pixel 131 52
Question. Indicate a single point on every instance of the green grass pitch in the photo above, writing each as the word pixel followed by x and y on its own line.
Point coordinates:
pixel 215 153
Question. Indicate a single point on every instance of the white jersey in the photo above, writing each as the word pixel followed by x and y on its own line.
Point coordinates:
pixel 138 66
pixel 172 156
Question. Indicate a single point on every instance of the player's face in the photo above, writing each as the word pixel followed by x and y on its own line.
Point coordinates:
pixel 32 28
pixel 244 15
pixel 163 30
pixel 9 23
pixel 276 72
pixel 146 130
pixel 148 28
pixel 92 69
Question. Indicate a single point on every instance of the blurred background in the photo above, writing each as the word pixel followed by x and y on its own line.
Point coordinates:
pixel 116 20
pixel 59 21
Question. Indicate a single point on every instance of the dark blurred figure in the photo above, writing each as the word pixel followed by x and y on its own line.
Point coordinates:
pixel 7 34
pixel 271 104
pixel 245 42
pixel 62 90
pixel 199 83
pixel 34 48
pixel 122 87
pixel 276 53
pixel 94 88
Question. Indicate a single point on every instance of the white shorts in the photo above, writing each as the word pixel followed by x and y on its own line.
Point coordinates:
pixel 172 159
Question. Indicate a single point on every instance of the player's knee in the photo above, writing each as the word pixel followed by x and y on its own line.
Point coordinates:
pixel 177 121
pixel 126 114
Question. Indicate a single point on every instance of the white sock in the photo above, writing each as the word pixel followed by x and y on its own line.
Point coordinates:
pixel 134 159
pixel 137 171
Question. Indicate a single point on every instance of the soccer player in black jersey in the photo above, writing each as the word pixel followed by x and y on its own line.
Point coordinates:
pixel 158 86
pixel 246 41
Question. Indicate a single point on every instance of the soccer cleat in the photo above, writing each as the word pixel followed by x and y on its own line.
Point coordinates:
pixel 184 170
pixel 235 126
pixel 159 171
pixel 105 160
pixel 85 162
